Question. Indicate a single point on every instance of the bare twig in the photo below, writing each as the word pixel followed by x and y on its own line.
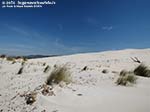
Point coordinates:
pixel 135 59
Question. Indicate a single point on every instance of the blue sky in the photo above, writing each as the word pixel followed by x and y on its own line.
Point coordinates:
pixel 74 26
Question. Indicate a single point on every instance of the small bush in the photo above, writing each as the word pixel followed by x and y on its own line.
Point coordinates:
pixel 142 70
pixel 20 70
pixel 47 69
pixel 59 74
pixel 126 77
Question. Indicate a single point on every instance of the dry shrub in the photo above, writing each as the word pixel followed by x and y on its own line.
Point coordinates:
pixel 142 70
pixel 126 78
pixel 59 74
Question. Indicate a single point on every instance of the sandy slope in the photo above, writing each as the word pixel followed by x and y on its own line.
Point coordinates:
pixel 91 90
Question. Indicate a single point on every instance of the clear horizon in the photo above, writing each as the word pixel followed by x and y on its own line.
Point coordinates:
pixel 75 26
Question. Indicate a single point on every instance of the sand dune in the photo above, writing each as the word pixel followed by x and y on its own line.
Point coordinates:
pixel 90 89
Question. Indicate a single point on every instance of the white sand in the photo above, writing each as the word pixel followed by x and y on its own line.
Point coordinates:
pixel 97 91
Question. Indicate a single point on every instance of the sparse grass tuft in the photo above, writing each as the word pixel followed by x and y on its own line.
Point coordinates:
pixel 142 70
pixel 59 74
pixel 126 77
pixel 47 68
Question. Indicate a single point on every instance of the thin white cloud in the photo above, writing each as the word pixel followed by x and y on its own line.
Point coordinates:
pixel 107 28
pixel 17 30
pixel 42 44
pixel 61 48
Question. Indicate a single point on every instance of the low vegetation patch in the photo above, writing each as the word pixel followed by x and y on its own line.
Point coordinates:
pixel 59 74
pixel 142 70
pixel 126 78
pixel 10 59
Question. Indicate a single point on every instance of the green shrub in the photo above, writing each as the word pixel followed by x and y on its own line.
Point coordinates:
pixel 126 77
pixel 142 70
pixel 59 74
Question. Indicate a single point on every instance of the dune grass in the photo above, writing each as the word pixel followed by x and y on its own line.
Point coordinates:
pixel 59 74
pixel 142 70
pixel 126 78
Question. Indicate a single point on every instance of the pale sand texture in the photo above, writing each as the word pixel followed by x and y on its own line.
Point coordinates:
pixel 90 91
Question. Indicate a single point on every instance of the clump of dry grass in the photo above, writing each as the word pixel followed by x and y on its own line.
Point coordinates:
pixel 59 74
pixel 142 70
pixel 126 78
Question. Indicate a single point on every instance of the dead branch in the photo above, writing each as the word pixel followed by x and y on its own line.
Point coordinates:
pixel 135 59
